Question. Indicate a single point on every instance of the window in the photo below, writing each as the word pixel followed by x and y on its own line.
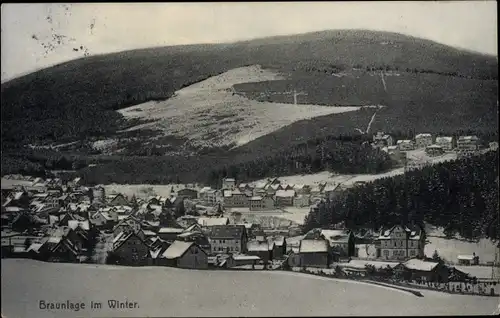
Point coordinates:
pixel 386 253
pixel 412 253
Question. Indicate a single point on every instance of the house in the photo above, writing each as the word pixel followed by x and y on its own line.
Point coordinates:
pixel 228 239
pixel 423 140
pixel 382 140
pixel 209 195
pixel 467 143
pixel 434 150
pixel 401 242
pixel 468 259
pixel 301 189
pixel 235 198
pixel 26 221
pixel 169 233
pixel 228 183
pixel 395 153
pixel 116 199
pixel 259 203
pixel 187 193
pixel 447 143
pixel 405 145
pixel 198 237
pixel 317 190
pixel 262 249
pixel 235 260
pixel 272 188
pixel 284 197
pixel 208 222
pixel 302 200
pixel 184 255
pixel 416 269
pixel 129 248
pixel 252 229
pixel 103 220
pixel 332 190
pixel 341 242
pixel 126 224
pixel 64 251
pixel 314 253
pixel 278 247
pixel 98 194
pixel 18 198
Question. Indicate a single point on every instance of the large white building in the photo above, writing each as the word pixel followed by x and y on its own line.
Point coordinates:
pixel 423 140
pixel 447 143
pixel 401 243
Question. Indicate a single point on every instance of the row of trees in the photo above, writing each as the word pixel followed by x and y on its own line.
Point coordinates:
pixel 460 196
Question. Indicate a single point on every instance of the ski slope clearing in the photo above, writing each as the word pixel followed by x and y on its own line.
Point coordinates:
pixel 161 291
pixel 211 113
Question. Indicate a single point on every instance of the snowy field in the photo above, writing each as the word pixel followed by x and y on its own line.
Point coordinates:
pixel 170 292
pixel 449 249
pixel 210 113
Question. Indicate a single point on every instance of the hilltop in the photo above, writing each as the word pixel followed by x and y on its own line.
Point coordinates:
pixel 118 101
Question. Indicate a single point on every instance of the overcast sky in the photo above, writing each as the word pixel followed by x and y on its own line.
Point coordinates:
pixel 110 27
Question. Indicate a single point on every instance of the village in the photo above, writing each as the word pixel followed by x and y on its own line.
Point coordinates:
pixel 197 227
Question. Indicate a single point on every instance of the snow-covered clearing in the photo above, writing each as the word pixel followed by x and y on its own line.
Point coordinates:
pixel 210 113
pixel 449 249
pixel 202 293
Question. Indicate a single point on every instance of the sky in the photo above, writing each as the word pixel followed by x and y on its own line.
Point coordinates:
pixel 35 36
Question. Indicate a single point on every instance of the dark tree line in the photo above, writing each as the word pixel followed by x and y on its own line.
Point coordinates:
pixel 460 196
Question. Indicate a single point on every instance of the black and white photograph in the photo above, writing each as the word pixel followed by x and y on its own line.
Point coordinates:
pixel 249 159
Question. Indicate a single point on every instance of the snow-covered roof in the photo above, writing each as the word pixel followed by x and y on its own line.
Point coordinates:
pixel 177 249
pixel 170 230
pixel 154 253
pixel 444 139
pixel 73 224
pixel 468 138
pixel 336 236
pixel 205 189
pixel 434 147
pixel 285 193
pixel 420 265
pixel 255 246
pixel 246 257
pixel 149 233
pixel 360 264
pixel 204 221
pixel 331 187
pixel 313 246
pixel 466 257
pixel 256 198
pixel 426 135
pixel 229 179
pixel 404 141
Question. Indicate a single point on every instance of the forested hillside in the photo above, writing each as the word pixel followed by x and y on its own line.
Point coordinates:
pixel 78 98
pixel 460 196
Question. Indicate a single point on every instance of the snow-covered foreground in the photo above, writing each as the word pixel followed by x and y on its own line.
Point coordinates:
pixel 210 113
pixel 169 292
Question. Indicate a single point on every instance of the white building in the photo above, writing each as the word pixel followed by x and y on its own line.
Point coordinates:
pixel 284 197
pixel 405 145
pixel 466 143
pixel 235 198
pixel 423 140
pixel 228 183
pixel 382 140
pixel 447 143
pixel 261 203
